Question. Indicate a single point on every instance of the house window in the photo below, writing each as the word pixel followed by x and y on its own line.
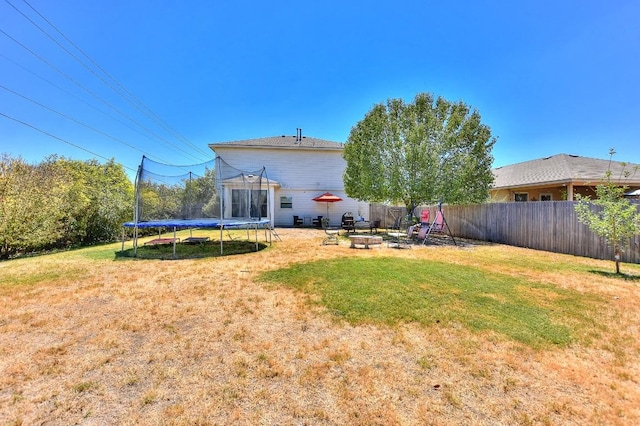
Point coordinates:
pixel 248 203
pixel 545 197
pixel 521 196
pixel 286 202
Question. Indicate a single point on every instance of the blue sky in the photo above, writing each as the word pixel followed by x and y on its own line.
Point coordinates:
pixel 548 77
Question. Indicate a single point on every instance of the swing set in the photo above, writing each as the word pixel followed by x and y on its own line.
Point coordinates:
pixel 401 236
pixel 439 225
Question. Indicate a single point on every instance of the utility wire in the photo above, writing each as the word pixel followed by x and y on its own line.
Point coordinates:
pixel 61 139
pixel 80 100
pixel 73 119
pixel 132 99
pixel 58 70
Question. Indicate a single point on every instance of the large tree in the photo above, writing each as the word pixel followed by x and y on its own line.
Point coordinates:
pixel 420 152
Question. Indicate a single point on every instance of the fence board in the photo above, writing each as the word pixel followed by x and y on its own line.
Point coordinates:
pixel 543 225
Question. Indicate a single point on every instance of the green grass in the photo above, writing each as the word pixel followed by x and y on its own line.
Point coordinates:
pixel 393 291
pixel 190 251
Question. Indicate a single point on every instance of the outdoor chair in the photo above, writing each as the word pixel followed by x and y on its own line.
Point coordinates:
pixel 424 217
pixel 422 232
pixel 331 234
pixel 438 226
pixel 317 222
pixel 400 237
pixel 297 221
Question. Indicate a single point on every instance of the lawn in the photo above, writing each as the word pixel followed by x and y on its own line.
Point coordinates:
pixel 395 291
pixel 300 333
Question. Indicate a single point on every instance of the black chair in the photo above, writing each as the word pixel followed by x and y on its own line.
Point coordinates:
pixel 297 221
pixel 317 222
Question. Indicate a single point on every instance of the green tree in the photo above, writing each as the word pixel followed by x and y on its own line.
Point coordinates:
pixel 31 206
pixel 610 215
pixel 199 195
pixel 419 152
pixel 98 200
pixel 60 202
pixel 111 204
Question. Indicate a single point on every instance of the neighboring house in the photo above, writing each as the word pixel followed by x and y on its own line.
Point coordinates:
pixel 558 177
pixel 299 169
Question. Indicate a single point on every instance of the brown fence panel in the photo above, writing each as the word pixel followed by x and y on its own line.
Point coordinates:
pixel 544 225
pixel 386 214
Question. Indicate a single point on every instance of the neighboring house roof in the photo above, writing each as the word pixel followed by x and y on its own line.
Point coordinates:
pixel 285 142
pixel 562 168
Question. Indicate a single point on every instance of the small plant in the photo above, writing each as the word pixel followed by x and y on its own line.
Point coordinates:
pixel 425 362
pixel 149 397
pixel 339 356
pixel 614 217
pixel 84 386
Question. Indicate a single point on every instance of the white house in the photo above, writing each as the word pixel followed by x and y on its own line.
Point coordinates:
pixel 299 169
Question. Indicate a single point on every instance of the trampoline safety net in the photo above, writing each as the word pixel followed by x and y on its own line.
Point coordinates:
pixel 212 189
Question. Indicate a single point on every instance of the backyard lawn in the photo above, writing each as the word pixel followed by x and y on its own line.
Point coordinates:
pixel 301 333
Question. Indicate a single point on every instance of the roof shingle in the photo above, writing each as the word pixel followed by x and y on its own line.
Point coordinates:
pixel 561 168
pixel 281 142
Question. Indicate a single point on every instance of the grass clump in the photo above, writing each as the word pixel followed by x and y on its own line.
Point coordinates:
pixel 84 386
pixel 392 291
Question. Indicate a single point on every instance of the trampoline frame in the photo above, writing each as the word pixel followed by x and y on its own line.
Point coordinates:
pixel 175 224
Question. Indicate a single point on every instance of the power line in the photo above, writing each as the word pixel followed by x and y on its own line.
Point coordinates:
pixel 73 119
pixel 166 142
pixel 61 139
pixel 132 99
pixel 81 86
pixel 87 90
pixel 78 99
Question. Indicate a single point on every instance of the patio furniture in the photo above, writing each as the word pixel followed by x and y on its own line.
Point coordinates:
pixel 297 221
pixel 331 234
pixel 400 237
pixel 437 226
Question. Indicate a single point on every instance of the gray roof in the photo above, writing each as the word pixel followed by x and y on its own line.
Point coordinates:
pixel 562 168
pixel 285 142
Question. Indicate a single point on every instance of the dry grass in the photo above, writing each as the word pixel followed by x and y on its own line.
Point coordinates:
pixel 202 342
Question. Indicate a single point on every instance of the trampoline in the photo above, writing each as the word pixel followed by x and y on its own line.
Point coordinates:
pixel 176 224
pixel 208 195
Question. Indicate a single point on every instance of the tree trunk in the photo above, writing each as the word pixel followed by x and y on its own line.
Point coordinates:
pixel 617 258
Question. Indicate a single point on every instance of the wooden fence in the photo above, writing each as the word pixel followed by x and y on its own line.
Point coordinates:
pixel 544 225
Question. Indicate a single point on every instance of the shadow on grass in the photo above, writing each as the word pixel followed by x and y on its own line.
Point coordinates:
pixel 620 276
pixel 190 251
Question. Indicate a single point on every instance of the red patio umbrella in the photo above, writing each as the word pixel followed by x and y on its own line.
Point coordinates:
pixel 327 197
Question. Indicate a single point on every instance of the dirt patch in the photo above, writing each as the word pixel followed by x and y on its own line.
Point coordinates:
pixel 199 341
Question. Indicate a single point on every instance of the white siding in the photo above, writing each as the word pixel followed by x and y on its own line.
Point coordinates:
pixel 302 174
